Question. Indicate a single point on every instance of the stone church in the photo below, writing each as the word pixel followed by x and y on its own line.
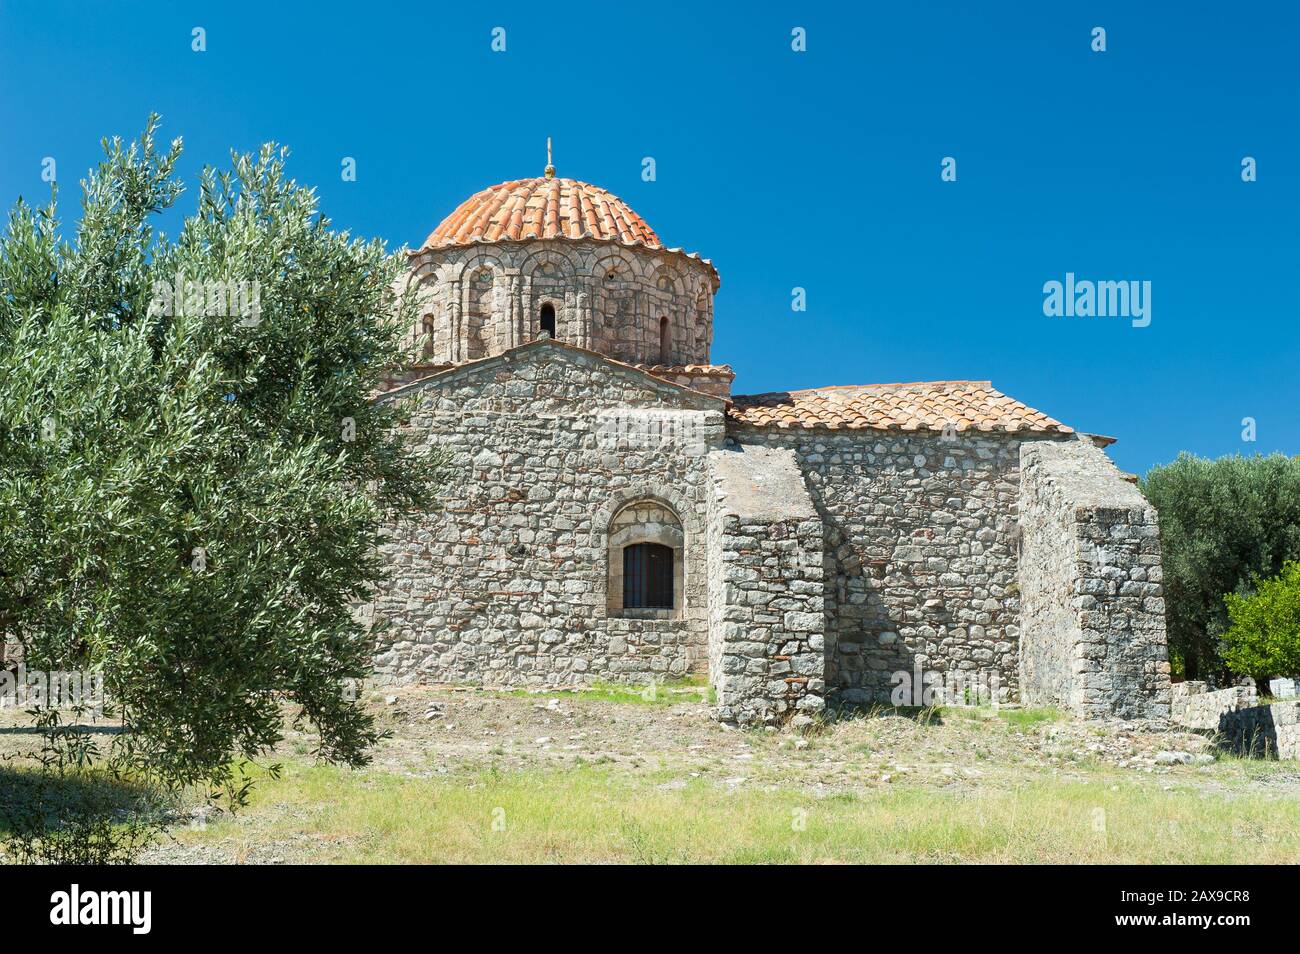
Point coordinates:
pixel 616 513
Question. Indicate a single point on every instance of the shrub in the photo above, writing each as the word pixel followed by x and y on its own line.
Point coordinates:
pixel 1264 638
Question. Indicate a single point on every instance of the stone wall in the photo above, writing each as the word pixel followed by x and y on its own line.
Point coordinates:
pixel 509 583
pixel 1271 731
pixel 1240 724
pixel 1049 574
pixel 766 607
pixel 633 304
pixel 920 553
pixel 1091 601
pixel 710 379
pixel 1286 687
pixel 1192 706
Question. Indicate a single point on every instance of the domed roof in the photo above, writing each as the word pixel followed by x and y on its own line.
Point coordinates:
pixel 543 208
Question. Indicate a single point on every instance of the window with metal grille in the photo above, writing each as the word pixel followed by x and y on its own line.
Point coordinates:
pixel 647 576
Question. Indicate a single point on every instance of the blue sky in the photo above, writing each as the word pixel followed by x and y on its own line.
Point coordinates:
pixel 818 169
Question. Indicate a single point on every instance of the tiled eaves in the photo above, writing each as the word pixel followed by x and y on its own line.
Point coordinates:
pixel 675 252
pixel 919 406
pixel 710 370
pixel 906 407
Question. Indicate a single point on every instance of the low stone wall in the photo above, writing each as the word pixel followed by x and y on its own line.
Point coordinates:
pixel 1263 731
pixel 1242 726
pixel 766 607
pixel 1287 688
pixel 1092 623
pixel 1194 707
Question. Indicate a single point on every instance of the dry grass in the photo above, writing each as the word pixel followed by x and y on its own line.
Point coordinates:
pixel 586 779
pixel 596 814
pixel 477 776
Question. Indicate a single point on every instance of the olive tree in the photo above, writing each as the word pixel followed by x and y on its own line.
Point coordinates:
pixel 1223 525
pixel 193 474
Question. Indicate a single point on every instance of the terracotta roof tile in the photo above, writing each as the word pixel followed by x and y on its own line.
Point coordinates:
pixel 921 405
pixel 718 369
pixel 546 208
pixel 543 208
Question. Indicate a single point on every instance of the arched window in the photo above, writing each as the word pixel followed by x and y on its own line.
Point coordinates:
pixel 546 321
pixel 479 307
pixel 665 342
pixel 647 576
pixel 646 548
pixel 427 340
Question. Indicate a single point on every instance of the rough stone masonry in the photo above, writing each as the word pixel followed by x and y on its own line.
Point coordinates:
pixel 615 513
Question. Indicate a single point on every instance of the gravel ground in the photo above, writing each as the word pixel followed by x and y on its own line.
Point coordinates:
pixel 438 730
pixel 454 731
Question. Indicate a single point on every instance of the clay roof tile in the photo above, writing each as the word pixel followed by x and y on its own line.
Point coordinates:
pixel 546 208
pixel 918 406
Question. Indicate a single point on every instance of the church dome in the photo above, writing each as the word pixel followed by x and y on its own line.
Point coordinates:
pixel 543 208
pixel 559 258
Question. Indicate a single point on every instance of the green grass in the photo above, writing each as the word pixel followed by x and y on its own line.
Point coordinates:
pixel 593 814
pixel 657 694
pixel 1020 718
pixel 1027 717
